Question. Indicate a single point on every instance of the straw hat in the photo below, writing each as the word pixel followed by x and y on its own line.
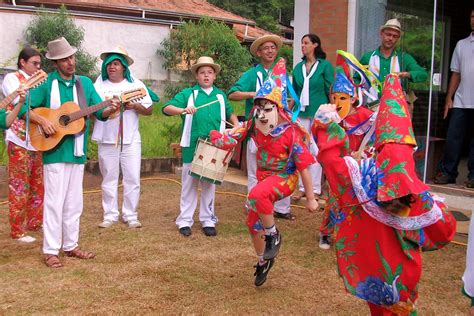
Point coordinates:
pixel 118 50
pixel 59 49
pixel 205 61
pixel 263 39
pixel 393 24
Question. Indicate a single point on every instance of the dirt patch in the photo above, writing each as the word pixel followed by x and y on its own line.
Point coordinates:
pixel 155 270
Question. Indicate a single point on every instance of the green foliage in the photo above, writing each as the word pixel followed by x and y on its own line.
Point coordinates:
pixel 266 13
pixel 206 37
pixel 45 27
pixel 268 22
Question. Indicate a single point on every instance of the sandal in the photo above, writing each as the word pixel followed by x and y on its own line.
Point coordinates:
pixel 288 216
pixel 52 261
pixel 298 196
pixel 78 253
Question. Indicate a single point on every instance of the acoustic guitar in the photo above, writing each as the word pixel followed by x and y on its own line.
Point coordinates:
pixel 68 119
pixel 35 80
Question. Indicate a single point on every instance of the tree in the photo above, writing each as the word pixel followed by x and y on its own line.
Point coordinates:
pixel 47 26
pixel 266 13
pixel 206 37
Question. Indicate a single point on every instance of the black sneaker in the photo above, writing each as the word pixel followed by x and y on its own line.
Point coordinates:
pixel 272 245
pixel 262 271
pixel 209 231
pixel 325 242
pixel 185 231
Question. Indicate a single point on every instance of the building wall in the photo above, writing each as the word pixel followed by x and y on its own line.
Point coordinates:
pixel 300 27
pixel 140 40
pixel 328 19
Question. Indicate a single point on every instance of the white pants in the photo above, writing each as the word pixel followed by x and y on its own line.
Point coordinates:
pixel 315 170
pixel 281 206
pixel 111 161
pixel 468 277
pixel 188 201
pixel 62 206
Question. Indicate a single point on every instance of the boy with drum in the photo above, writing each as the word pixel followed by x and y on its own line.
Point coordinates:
pixel 197 123
pixel 282 154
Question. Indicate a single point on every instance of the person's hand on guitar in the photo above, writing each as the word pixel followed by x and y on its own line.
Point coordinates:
pixel 47 126
pixel 112 108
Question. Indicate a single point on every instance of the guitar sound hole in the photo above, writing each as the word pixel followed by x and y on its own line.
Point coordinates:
pixel 64 120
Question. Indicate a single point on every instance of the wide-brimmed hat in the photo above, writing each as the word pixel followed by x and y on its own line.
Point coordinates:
pixel 205 61
pixel 59 49
pixel 263 39
pixel 117 50
pixel 393 24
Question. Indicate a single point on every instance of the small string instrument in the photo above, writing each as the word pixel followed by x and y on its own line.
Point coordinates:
pixel 35 80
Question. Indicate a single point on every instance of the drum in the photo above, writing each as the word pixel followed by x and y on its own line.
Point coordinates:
pixel 210 163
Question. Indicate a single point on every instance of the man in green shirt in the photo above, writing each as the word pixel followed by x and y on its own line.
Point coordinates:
pixel 265 48
pixel 387 59
pixel 64 165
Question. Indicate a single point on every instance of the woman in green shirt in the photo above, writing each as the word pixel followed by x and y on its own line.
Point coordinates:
pixel 312 79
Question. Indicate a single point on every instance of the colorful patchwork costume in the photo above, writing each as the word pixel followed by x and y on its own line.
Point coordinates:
pixel 378 242
pixel 281 153
pixel 25 170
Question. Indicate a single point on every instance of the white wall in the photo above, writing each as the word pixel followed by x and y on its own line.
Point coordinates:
pixel 301 27
pixel 140 40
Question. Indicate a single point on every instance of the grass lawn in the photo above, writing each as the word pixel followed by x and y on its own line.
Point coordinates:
pixel 154 270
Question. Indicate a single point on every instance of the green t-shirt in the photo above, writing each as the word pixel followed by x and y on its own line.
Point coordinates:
pixel 3 119
pixel 248 83
pixel 406 62
pixel 41 97
pixel 204 120
pixel 319 85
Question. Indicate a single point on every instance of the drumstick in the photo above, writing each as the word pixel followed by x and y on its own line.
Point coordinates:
pixel 227 122
pixel 202 106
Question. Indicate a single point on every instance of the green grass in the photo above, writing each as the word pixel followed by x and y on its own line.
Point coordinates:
pixel 157 132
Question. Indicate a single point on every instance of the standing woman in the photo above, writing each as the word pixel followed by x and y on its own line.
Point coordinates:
pixel 25 167
pixel 312 79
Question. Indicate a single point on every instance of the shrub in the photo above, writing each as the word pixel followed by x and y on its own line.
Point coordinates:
pixel 206 37
pixel 46 26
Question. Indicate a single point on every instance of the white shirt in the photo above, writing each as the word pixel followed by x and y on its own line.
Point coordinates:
pixel 107 132
pixel 10 84
pixel 463 63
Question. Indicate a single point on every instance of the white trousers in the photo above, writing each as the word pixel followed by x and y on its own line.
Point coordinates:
pixel 111 161
pixel 315 170
pixel 468 277
pixel 62 206
pixel 188 200
pixel 281 206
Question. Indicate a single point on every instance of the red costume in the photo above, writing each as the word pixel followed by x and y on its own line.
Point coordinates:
pixel 378 245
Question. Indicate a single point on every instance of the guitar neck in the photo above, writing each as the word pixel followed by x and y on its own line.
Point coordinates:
pixel 9 99
pixel 89 110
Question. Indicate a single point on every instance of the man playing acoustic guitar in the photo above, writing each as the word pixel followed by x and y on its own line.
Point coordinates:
pixel 64 164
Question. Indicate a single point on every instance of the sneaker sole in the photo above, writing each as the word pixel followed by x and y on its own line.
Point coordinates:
pixel 264 280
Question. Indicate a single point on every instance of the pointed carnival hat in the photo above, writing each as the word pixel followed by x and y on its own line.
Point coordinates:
pixel 395 144
pixel 342 84
pixel 274 87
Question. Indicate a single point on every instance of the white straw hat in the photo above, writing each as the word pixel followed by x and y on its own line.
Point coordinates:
pixel 118 50
pixel 263 39
pixel 205 61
